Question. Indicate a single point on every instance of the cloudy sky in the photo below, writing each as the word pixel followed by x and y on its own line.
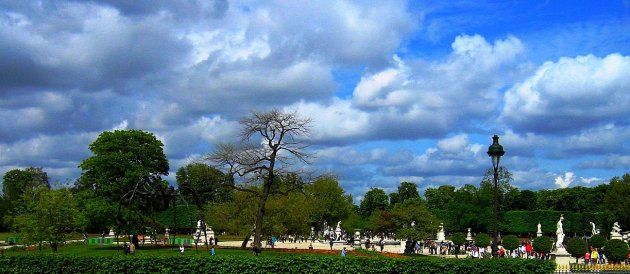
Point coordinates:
pixel 396 90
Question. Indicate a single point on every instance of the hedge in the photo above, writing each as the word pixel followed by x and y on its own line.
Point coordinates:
pixel 38 263
pixel 518 222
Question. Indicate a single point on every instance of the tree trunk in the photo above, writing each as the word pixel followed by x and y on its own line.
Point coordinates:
pixel 244 244
pixel 261 211
pixel 53 246
pixel 134 240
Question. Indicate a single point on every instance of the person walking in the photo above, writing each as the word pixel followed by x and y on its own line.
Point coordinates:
pixel 343 252
pixel 331 243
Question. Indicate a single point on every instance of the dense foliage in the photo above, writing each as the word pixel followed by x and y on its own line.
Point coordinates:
pixel 277 264
pixel 598 241
pixel 482 240
pixel 577 247
pixel 510 242
pixel 616 250
pixel 542 244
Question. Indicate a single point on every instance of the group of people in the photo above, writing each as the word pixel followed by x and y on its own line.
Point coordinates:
pixel 594 256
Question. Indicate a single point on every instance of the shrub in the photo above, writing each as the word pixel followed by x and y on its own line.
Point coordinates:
pixel 598 241
pixel 458 238
pixel 542 244
pixel 511 242
pixel 616 250
pixel 577 247
pixel 38 263
pixel 482 240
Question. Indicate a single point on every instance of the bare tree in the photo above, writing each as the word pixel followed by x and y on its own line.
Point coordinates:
pixel 260 161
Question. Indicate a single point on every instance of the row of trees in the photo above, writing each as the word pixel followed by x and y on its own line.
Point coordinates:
pixel 471 207
pixel 259 186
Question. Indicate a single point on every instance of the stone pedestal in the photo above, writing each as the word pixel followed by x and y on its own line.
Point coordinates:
pixel 441 237
pixel 562 256
pixel 469 236
pixel 616 236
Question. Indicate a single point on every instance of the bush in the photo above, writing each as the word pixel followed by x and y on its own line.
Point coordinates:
pixel 542 244
pixel 616 250
pixel 482 240
pixel 577 247
pixel 38 263
pixel 458 238
pixel 511 242
pixel 598 241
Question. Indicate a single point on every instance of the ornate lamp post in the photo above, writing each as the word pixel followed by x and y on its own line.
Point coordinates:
pixel 495 151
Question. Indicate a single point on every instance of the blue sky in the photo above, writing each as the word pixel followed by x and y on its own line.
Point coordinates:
pixel 397 91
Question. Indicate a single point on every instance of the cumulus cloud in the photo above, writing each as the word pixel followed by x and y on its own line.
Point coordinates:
pixel 564 181
pixel 570 95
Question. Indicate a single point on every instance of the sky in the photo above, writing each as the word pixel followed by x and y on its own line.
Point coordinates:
pixel 396 90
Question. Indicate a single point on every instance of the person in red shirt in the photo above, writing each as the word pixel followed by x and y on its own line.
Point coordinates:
pixel 528 248
pixel 587 257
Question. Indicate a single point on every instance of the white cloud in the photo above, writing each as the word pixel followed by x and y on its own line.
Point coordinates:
pixel 571 94
pixel 565 181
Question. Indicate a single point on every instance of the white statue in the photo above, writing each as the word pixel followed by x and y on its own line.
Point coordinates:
pixel 413 223
pixel 560 232
pixel 441 227
pixel 539 230
pixel 338 225
pixel 594 231
pixel 616 228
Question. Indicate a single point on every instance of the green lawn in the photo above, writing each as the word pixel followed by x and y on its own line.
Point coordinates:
pixel 81 249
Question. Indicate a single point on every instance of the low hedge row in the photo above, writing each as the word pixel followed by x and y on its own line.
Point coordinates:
pixel 38 263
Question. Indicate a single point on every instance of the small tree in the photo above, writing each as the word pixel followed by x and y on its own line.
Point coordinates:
pixel 510 242
pixel 482 240
pixel 458 239
pixel 598 241
pixel 542 244
pixel 271 142
pixel 50 216
pixel 577 247
pixel 616 250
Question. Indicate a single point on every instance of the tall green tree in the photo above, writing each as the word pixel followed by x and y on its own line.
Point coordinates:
pixel 271 142
pixel 330 203
pixel 127 168
pixel 50 216
pixel 406 191
pixel 18 182
pixel 374 199
pixel 438 198
pixel 201 183
pixel 617 202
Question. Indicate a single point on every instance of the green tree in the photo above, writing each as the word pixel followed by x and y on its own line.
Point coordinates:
pixel 50 215
pixel 127 169
pixel 439 198
pixel 598 241
pixel 616 250
pixel 329 203
pixel 482 240
pixel 511 242
pixel 458 239
pixel 542 244
pixel 201 183
pixel 577 247
pixel 97 212
pixel 16 183
pixel 260 162
pixel 374 199
pixel 407 190
pixel 617 202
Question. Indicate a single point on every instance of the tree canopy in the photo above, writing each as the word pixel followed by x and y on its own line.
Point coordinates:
pixel 127 168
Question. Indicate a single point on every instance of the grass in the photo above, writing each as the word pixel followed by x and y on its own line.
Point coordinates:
pixel 81 249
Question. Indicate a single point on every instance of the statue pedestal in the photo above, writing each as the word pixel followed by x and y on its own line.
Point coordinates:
pixel 539 234
pixel 616 236
pixel 562 256
pixel 440 236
